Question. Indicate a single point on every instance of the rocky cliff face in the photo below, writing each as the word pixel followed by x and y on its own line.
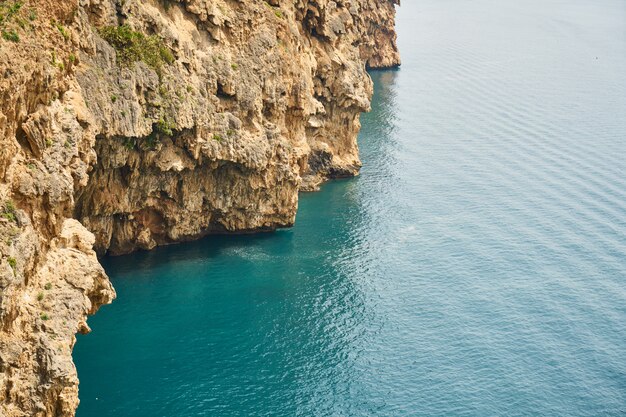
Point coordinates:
pixel 134 123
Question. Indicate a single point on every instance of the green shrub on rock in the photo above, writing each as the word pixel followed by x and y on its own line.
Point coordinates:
pixel 132 46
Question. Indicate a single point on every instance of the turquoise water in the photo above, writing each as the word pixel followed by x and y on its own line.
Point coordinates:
pixel 476 268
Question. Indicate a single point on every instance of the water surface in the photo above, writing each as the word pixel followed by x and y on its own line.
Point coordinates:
pixel 477 267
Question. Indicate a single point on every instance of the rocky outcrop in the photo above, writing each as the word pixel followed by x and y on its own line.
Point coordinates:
pixel 262 100
pixel 131 124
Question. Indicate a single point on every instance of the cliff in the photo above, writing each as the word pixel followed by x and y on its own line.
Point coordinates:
pixel 134 123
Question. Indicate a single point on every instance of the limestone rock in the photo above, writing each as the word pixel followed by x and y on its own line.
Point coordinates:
pixel 131 124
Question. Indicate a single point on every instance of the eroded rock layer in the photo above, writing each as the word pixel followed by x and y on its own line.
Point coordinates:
pixel 130 124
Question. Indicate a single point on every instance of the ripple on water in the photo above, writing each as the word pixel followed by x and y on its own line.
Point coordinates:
pixel 476 267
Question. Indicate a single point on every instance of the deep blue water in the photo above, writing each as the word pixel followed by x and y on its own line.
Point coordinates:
pixel 477 267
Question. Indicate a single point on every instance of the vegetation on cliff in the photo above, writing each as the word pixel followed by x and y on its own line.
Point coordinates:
pixel 132 46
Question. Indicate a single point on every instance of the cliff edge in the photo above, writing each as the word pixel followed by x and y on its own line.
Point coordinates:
pixel 127 124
